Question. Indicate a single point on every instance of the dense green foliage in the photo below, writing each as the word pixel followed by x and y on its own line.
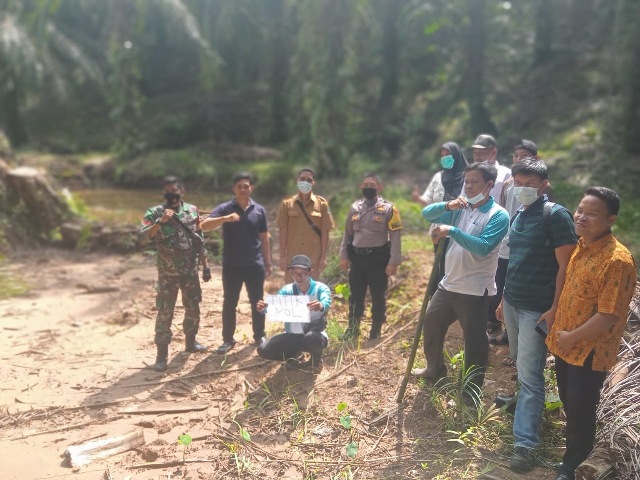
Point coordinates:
pixel 329 82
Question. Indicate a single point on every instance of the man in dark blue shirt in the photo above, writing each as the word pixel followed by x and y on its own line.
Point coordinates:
pixel 246 256
pixel 540 246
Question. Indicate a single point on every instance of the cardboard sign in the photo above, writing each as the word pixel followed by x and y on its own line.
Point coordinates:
pixel 287 308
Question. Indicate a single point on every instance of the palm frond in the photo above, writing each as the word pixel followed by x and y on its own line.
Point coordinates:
pixel 189 24
pixel 69 49
pixel 18 54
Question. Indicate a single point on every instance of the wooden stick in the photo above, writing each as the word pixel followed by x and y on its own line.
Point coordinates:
pixel 174 463
pixel 165 407
pixel 431 288
pixel 61 429
pixel 198 375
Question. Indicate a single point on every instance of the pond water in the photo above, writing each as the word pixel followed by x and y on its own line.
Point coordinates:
pixel 129 205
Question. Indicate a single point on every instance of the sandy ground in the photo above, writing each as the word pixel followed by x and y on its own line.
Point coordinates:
pixel 75 355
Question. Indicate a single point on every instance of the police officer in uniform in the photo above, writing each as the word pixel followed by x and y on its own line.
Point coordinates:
pixel 174 228
pixel 371 247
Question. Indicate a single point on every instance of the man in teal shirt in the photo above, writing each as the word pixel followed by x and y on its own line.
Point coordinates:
pixel 476 225
pixel 301 337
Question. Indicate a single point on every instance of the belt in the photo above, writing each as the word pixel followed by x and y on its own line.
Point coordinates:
pixel 371 250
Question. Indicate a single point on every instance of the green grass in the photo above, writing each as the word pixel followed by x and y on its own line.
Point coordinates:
pixel 12 286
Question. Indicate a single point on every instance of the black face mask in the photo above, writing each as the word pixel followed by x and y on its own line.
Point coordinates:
pixel 369 193
pixel 172 198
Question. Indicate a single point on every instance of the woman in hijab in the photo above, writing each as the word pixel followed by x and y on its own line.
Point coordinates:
pixel 444 186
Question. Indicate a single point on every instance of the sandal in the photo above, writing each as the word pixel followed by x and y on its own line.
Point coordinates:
pixel 499 339
pixel 508 362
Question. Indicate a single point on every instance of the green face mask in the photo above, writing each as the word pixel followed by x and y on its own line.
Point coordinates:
pixel 447 162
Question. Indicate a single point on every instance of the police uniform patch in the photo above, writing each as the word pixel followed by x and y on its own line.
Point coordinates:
pixel 395 222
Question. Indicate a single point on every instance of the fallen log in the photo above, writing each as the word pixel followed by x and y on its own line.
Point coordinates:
pixel 165 407
pixel 596 467
pixel 83 454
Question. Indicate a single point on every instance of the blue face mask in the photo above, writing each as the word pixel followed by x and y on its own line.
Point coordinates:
pixel 447 162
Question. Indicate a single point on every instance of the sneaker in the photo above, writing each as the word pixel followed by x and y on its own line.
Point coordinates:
pixel 225 347
pixel 422 373
pixel 506 401
pixel 294 363
pixel 523 460
pixel 565 476
pixel 499 339
pixel 310 368
pixel 259 341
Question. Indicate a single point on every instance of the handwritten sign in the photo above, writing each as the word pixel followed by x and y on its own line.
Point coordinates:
pixel 287 308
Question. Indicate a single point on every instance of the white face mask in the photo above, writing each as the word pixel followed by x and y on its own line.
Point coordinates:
pixel 478 198
pixel 525 195
pixel 304 187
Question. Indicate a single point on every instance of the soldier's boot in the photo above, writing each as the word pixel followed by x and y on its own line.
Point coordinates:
pixel 161 358
pixel 191 345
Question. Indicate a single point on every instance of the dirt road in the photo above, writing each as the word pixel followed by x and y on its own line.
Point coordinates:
pixel 74 363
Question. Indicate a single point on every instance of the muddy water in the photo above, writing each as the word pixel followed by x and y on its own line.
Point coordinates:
pixel 128 205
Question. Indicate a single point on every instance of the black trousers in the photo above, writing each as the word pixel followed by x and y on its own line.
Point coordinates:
pixel 368 271
pixel 445 308
pixel 579 389
pixel 494 301
pixel 232 280
pixel 290 345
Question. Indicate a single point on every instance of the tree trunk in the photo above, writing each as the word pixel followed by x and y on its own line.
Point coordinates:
pixel 11 118
pixel 279 71
pixel 389 13
pixel 36 213
pixel 544 34
pixel 631 120
pixel 35 205
pixel 480 121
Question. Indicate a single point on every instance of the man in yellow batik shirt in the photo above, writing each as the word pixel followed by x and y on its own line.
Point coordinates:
pixel 590 320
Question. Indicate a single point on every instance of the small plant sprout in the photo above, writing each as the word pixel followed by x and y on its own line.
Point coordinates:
pixel 184 440
pixel 344 291
pixel 244 433
pixel 345 421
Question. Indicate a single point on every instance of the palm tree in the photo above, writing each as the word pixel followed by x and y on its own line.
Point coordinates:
pixel 35 52
pixel 32 53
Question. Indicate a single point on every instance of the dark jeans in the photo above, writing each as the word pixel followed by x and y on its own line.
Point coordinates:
pixel 232 280
pixel 443 309
pixel 501 275
pixel 368 271
pixel 290 345
pixel 579 389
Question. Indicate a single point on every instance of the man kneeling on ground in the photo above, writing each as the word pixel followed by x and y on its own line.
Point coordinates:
pixel 301 337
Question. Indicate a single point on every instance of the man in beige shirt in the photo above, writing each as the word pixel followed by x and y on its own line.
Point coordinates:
pixel 304 221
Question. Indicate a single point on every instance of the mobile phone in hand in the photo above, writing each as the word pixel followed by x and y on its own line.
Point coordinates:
pixel 541 328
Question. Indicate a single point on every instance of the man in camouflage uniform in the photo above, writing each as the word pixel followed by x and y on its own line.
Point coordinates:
pixel 371 245
pixel 174 228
